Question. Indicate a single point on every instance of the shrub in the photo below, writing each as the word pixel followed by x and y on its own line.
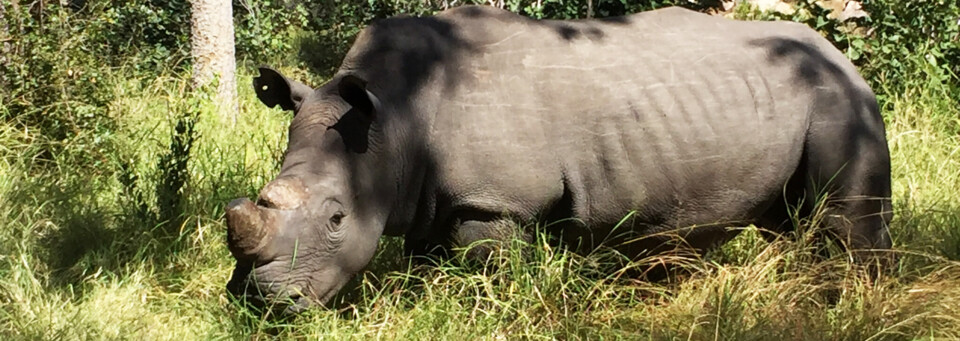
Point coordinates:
pixel 52 80
pixel 900 30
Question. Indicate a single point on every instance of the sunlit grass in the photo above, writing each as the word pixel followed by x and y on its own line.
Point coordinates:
pixel 87 255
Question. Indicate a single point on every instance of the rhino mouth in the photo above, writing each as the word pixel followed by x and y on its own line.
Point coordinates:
pixel 290 305
pixel 265 295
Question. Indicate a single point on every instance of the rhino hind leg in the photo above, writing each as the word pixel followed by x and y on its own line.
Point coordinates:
pixel 848 175
pixel 843 187
pixel 855 207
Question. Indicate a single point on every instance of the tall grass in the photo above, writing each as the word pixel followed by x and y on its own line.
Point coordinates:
pixel 129 244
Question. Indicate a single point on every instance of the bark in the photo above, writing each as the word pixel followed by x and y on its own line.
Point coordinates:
pixel 213 52
pixel 4 35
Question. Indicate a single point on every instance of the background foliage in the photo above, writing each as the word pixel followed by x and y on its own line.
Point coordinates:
pixel 55 70
pixel 113 175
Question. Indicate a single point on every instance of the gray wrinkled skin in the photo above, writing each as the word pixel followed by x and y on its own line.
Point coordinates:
pixel 448 129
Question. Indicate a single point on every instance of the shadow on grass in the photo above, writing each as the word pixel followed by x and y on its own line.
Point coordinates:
pixel 933 229
pixel 119 217
pixel 94 236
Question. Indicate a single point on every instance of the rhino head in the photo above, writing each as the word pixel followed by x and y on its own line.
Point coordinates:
pixel 318 223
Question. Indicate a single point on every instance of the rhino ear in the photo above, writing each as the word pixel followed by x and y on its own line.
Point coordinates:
pixel 354 91
pixel 273 88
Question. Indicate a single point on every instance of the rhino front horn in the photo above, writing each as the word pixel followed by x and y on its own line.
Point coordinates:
pixel 247 234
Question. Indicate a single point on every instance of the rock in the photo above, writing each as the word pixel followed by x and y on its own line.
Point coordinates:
pixel 781 6
pixel 843 10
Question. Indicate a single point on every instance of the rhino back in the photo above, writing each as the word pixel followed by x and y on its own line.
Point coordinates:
pixel 685 117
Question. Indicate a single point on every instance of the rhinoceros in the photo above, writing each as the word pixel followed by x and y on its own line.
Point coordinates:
pixel 457 128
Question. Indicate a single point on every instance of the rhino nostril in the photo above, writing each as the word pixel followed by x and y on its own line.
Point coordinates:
pixel 265 204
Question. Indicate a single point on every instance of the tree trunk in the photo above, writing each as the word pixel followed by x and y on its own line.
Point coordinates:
pixel 4 35
pixel 212 49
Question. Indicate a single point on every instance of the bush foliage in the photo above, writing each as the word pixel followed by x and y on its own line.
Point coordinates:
pixel 59 55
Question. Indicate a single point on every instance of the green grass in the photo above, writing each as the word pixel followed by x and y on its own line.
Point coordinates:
pixel 104 243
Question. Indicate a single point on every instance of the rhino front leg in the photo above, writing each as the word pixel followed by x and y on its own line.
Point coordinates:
pixel 480 238
pixel 424 251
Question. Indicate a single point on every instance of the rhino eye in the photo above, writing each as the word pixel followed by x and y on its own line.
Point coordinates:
pixel 336 218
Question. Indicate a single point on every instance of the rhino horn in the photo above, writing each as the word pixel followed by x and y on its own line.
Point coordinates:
pixel 247 232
